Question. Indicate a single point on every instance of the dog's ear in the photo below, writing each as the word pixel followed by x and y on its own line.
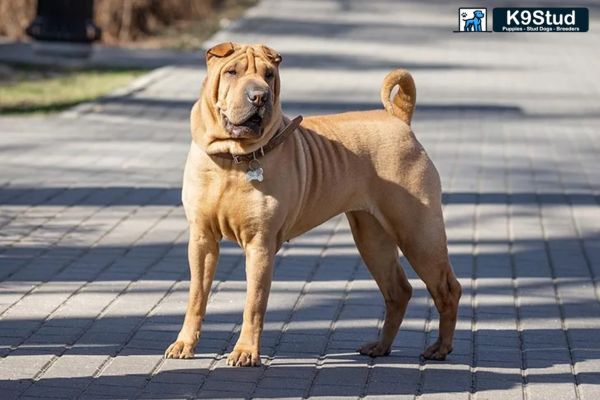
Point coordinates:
pixel 221 50
pixel 272 55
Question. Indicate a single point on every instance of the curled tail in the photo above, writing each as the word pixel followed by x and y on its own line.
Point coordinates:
pixel 403 103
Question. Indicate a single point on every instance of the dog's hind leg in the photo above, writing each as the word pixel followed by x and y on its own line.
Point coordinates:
pixel 446 291
pixel 418 229
pixel 380 254
pixel 425 248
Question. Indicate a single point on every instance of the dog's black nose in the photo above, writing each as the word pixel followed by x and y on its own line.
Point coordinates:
pixel 257 96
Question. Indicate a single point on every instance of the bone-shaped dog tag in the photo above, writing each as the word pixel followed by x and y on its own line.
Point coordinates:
pixel 254 175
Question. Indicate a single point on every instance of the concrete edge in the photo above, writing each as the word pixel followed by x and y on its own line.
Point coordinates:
pixel 136 85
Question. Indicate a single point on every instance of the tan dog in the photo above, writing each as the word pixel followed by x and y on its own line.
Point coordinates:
pixel 368 165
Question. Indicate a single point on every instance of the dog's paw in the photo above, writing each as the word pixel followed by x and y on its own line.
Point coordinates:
pixel 375 349
pixel 437 351
pixel 243 357
pixel 179 349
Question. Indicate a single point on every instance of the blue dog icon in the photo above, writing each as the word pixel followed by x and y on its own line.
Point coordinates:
pixel 474 24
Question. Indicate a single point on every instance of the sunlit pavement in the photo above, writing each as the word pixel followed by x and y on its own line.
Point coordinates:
pixel 93 241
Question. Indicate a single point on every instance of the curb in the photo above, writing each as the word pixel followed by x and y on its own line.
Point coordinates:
pixel 133 87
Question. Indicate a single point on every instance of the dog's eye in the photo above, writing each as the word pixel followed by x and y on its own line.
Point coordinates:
pixel 268 74
pixel 231 72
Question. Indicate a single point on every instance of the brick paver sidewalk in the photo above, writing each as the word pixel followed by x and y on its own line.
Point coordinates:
pixel 93 273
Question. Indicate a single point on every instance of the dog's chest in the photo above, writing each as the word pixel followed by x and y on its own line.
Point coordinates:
pixel 225 201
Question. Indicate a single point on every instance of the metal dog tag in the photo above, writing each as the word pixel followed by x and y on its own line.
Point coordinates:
pixel 255 171
pixel 254 175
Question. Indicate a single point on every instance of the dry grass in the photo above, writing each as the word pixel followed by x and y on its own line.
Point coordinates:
pixel 32 90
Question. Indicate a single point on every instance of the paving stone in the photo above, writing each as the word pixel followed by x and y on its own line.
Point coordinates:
pixel 338 374
pixel 177 389
pixel 281 392
pixel 40 390
pixel 329 391
pixel 178 378
pixel 220 394
pixel 111 390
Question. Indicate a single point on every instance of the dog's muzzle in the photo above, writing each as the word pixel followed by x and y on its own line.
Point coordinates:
pixel 250 127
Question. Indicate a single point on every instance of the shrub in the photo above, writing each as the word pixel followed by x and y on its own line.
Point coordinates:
pixel 120 20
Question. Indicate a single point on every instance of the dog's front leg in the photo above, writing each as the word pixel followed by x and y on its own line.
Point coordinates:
pixel 259 272
pixel 203 254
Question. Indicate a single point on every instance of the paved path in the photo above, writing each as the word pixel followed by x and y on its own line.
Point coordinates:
pixel 102 56
pixel 92 237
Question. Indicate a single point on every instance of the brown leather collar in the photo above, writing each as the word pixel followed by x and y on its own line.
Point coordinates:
pixel 271 144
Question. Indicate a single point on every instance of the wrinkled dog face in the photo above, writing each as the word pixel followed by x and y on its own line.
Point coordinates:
pixel 248 87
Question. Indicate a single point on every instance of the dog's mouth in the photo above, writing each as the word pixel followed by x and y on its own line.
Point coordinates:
pixel 249 128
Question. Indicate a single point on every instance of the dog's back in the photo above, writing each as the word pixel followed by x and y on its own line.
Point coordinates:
pixel 381 137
